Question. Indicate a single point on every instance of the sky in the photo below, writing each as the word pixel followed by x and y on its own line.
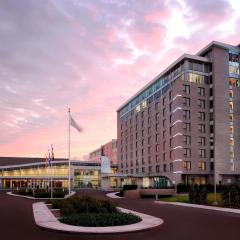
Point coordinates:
pixel 91 56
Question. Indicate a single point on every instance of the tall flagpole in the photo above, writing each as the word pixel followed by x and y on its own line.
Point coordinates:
pixel 69 163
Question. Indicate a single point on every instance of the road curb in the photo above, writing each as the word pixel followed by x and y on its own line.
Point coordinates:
pixel 45 219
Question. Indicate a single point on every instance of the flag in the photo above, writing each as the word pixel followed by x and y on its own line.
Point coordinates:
pixel 49 157
pixel 52 153
pixel 74 124
pixel 46 161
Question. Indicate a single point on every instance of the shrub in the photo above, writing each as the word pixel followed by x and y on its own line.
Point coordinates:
pixel 198 194
pixel 231 196
pixel 129 187
pixel 100 219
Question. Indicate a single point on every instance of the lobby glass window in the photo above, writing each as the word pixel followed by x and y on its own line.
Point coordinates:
pixel 187 165
pixel 186 89
pixel 202 166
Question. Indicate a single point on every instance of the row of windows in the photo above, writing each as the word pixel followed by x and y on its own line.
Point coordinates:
pixel 187 166
pixel 202 166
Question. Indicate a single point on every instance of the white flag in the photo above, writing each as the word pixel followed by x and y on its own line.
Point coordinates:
pixel 74 124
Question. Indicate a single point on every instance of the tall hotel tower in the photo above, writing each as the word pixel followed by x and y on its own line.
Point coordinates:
pixel 185 124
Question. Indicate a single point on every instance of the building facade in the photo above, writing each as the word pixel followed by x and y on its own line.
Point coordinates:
pixel 109 150
pixel 33 172
pixel 184 124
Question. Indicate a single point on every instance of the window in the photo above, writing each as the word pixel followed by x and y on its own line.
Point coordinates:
pixel 157 169
pixel 149 120
pixel 170 118
pixel 164 134
pixel 201 128
pixel 201 116
pixel 157 148
pixel 186 89
pixel 157 116
pixel 164 145
pixel 164 167
pixel 149 159
pixel 170 95
pixel 170 142
pixel 201 103
pixel 149 140
pixel 149 169
pixel 142 133
pixel 187 127
pixel 201 91
pixel 170 107
pixel 187 152
pixel 202 153
pixel 156 106
pixel 202 166
pixel 170 131
pixel 164 122
pixel 157 158
pixel 171 167
pixel 170 154
pixel 196 78
pixel 157 127
pixel 201 141
pixel 149 130
pixel 187 140
pixel 187 165
pixel 157 137
pixel 164 156
pixel 186 101
pixel 163 101
pixel 186 114
pixel 149 110
pixel 163 112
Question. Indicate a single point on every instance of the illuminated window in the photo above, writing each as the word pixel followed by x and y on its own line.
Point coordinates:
pixel 202 166
pixel 187 165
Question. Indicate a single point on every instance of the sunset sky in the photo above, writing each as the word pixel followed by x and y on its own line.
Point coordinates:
pixel 91 56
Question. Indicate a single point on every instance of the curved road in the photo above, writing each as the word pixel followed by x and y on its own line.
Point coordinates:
pixel 180 223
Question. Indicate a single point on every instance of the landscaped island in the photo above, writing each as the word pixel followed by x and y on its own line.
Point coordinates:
pixel 90 212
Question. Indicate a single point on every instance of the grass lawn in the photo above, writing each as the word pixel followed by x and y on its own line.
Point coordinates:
pixel 185 199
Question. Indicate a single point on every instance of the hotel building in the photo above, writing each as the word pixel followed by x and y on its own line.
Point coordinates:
pixel 184 124
pixel 109 150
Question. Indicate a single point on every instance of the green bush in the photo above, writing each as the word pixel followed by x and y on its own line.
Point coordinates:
pixel 129 187
pixel 100 219
pixel 198 194
pixel 84 204
pixel 231 196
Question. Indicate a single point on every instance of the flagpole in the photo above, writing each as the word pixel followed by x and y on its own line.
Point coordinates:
pixel 51 180
pixel 69 163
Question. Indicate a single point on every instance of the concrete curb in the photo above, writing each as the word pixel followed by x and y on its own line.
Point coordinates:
pixel 220 209
pixel 113 195
pixel 45 219
pixel 29 197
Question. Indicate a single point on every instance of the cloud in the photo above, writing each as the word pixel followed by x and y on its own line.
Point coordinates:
pixel 90 56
